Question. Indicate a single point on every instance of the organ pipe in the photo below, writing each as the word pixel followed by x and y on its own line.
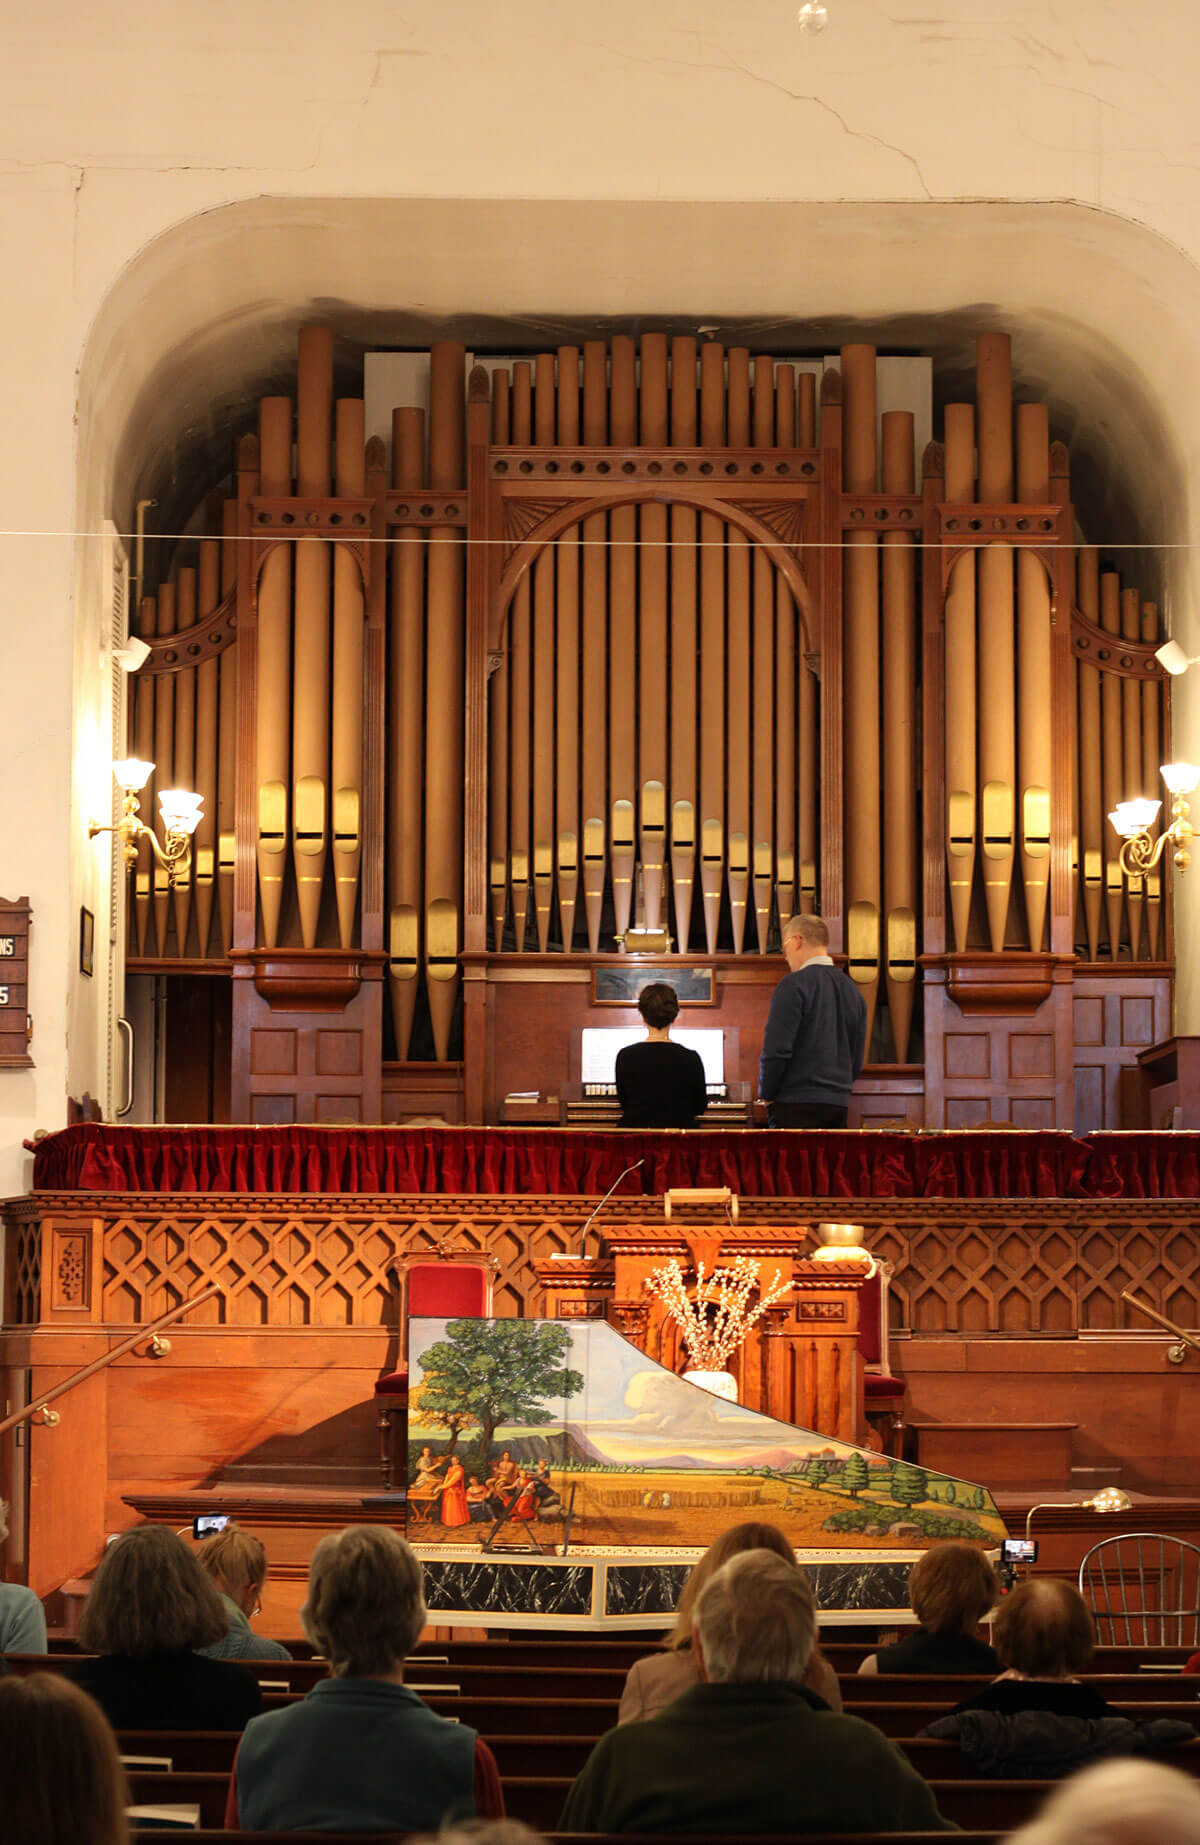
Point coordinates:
pixel 997 711
pixel 899 618
pixel 1131 729
pixel 406 732
pixel 208 594
pixel 227 739
pixel 594 650
pixel 183 772
pixel 444 697
pixel 274 672
pixel 763 678
pixel 712 656
pixel 521 630
pixel 311 712
pixel 622 643
pixel 738 642
pixel 498 720
pixel 861 749
pixel 683 650
pixel 961 707
pixel 1151 784
pixel 346 749
pixel 566 645
pixel 145 696
pixel 652 644
pixel 542 747
pixel 1112 762
pixel 164 747
pixel 1034 726
pixel 1091 790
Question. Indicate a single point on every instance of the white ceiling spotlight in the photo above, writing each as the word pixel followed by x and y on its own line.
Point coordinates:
pixel 813 16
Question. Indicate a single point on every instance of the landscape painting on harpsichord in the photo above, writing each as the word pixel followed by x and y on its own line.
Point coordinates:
pixel 506 1417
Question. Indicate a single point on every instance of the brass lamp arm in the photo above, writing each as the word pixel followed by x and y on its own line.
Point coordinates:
pixel 174 856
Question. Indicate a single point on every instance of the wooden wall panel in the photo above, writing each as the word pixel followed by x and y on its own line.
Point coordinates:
pixel 1013 1066
pixel 1117 1013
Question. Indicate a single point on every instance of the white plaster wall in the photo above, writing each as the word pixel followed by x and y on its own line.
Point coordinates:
pixel 119 123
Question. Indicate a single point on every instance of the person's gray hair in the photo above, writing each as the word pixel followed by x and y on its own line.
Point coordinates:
pixel 366 1606
pixel 1125 1802
pixel 756 1621
pixel 150 1595
pixel 810 929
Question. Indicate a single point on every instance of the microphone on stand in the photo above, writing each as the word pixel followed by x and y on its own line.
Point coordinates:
pixel 608 1194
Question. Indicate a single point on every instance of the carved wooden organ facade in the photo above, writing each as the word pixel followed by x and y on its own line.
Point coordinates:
pixel 661 634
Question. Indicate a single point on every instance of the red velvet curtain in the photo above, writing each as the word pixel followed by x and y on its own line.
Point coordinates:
pixel 569 1162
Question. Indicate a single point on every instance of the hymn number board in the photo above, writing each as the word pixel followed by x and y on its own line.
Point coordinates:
pixel 15 1030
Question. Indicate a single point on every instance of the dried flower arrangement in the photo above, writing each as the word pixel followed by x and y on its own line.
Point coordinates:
pixel 714 1320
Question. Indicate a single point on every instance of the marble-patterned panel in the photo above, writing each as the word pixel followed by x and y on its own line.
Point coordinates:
pixel 497 1587
pixel 654 1589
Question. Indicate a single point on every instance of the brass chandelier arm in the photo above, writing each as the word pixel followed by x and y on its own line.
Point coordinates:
pixel 175 856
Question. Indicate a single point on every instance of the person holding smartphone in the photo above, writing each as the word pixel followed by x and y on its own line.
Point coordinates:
pixel 236 1563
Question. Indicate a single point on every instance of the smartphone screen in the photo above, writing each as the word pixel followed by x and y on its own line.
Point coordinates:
pixel 207 1524
pixel 1020 1550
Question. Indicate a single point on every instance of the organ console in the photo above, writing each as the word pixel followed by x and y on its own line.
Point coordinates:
pixel 638 634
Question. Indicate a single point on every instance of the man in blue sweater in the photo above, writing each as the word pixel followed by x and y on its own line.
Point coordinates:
pixel 816 1036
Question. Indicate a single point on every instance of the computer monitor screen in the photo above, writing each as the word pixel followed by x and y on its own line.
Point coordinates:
pixel 600 1044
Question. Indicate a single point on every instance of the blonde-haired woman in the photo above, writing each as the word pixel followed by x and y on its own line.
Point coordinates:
pixel 61 1780
pixel 236 1563
pixel 659 1678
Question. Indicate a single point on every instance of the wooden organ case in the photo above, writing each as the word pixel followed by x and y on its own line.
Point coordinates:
pixel 663 635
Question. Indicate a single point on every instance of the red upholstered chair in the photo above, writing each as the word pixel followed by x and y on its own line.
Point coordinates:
pixel 883 1394
pixel 447 1284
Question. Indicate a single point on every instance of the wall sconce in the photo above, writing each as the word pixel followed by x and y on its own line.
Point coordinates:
pixel 1133 820
pixel 180 811
pixel 1173 660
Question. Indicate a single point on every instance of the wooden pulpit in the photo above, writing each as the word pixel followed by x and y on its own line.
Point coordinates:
pixel 799 1362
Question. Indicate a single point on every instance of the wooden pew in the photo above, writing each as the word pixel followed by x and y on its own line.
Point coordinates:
pixel 207 1836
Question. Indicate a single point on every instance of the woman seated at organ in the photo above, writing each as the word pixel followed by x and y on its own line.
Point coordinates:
pixel 660 1084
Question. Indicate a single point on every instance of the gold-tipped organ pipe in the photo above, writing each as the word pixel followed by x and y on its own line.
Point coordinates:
pixel 622 706
pixel 1112 763
pixel 712 656
pixel 227 738
pixel 763 678
pixel 444 696
pixel 808 758
pixel 899 622
pixel 683 527
pixel 738 667
pixel 1034 719
pixel 1151 758
pixel 566 656
pixel 520 627
pixel 961 709
pixel 406 733
pixel 786 730
pixel 346 748
pixel 861 732
pixel 997 711
pixel 311 659
pixel 184 762
pixel 542 751
pixel 164 756
pixel 652 645
pixel 1091 788
pixel 274 691
pixel 1131 727
pixel 208 593
pixel 498 720
pixel 145 694
pixel 594 649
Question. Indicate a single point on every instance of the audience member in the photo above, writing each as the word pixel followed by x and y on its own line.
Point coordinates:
pixel 150 1610
pixel 1037 1721
pixel 660 1084
pixel 951 1588
pixel 1119 1803
pixel 22 1617
pixel 236 1562
pixel 749 1749
pixel 61 1780
pixel 361 1753
pixel 657 1680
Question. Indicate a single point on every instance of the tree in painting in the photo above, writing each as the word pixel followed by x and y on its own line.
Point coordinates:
pixel 433 1412
pixel 854 1476
pixel 910 1485
pixel 492 1372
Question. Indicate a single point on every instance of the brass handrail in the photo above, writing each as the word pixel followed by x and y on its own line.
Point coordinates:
pixel 98 1364
pixel 1177 1353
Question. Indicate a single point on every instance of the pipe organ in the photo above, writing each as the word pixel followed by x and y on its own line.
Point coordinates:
pixel 660 637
